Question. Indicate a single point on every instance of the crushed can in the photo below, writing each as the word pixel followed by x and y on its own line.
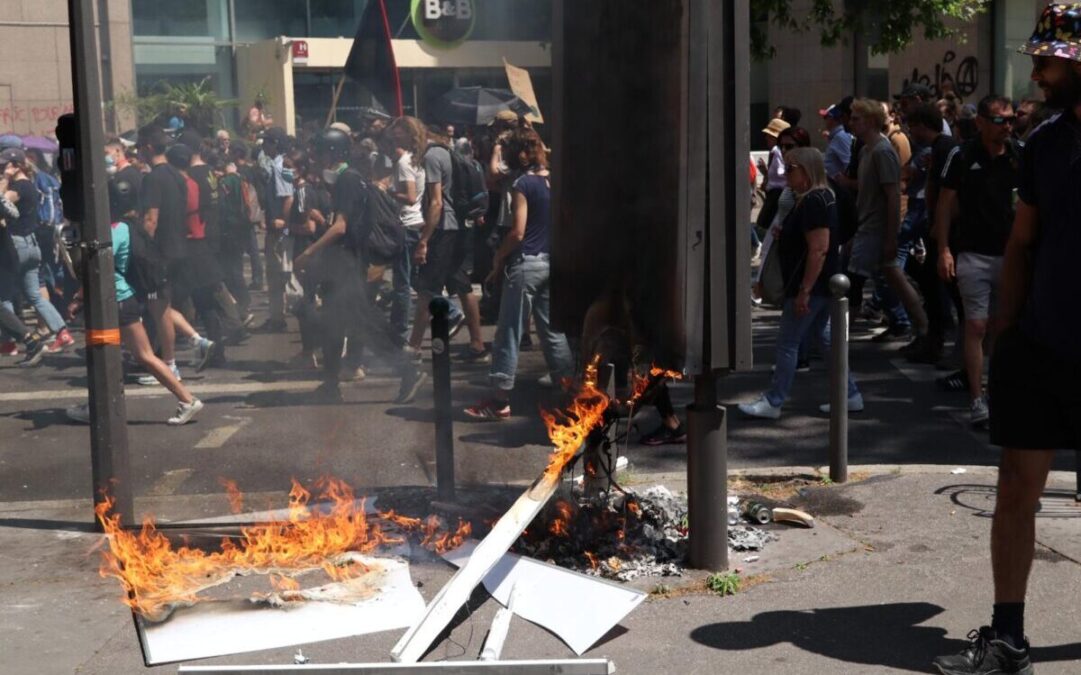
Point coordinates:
pixel 757 512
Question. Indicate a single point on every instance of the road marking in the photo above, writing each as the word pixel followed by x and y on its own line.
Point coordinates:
pixel 168 484
pixel 197 389
pixel 218 437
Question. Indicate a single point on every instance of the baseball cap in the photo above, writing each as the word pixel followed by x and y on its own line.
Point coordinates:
pixel 10 141
pixel 276 135
pixel 833 112
pixel 342 127
pixel 10 155
pixel 915 90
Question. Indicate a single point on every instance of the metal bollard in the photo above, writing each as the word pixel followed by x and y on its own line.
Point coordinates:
pixel 439 308
pixel 839 285
pixel 707 478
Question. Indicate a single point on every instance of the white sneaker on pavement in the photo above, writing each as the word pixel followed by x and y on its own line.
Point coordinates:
pixel 761 409
pixel 855 404
pixel 979 413
pixel 185 411
pixel 545 380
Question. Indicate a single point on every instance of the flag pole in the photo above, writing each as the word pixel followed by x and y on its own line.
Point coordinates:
pixel 332 116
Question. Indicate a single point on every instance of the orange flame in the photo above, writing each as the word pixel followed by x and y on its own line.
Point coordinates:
pixel 154 575
pixel 641 383
pixel 593 564
pixel 568 429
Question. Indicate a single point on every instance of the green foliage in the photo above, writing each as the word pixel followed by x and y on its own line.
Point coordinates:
pixel 723 583
pixel 887 25
pixel 203 105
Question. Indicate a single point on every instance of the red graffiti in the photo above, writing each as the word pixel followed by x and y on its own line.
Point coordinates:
pixel 33 119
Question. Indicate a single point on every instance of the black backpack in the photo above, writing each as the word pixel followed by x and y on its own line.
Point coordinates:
pixel 146 267
pixel 469 195
pixel 386 236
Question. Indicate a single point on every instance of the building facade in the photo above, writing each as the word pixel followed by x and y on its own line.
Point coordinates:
pixel 35 71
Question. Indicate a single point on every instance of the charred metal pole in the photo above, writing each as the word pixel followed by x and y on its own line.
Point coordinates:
pixel 839 286
pixel 108 414
pixel 707 477
pixel 439 308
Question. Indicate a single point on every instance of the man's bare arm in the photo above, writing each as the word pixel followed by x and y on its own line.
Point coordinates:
pixel 1017 266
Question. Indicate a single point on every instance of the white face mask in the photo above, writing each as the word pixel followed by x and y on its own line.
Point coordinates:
pixel 330 176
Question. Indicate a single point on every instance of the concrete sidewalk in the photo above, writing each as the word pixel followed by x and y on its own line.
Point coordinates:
pixel 895 573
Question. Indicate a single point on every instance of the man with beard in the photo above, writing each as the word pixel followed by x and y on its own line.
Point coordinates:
pixel 1035 403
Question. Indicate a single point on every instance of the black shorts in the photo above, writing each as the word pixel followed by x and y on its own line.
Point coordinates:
pixel 131 312
pixel 1034 397
pixel 447 266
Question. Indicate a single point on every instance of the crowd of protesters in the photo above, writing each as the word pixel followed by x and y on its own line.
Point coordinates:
pixel 950 219
pixel 336 211
pixel 914 203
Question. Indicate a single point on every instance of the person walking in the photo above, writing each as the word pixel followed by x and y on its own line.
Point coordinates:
pixel 1035 405
pixel 980 178
pixel 18 188
pixel 522 267
pixel 809 256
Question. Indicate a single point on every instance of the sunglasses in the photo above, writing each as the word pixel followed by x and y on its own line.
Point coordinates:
pixel 1000 119
pixel 791 167
pixel 788 146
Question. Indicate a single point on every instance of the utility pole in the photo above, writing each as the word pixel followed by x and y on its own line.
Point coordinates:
pixel 108 414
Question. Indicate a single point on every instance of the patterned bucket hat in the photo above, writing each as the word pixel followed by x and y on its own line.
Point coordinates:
pixel 1058 33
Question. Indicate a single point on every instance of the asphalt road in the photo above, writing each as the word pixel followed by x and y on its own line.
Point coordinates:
pixel 261 427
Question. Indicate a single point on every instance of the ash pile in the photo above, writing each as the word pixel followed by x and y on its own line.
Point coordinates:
pixel 622 535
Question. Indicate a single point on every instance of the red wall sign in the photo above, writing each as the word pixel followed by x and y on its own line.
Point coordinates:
pixel 300 51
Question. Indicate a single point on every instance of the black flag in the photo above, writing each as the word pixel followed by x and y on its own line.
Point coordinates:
pixel 371 60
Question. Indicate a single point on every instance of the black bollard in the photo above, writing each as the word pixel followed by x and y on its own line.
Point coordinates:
pixel 707 478
pixel 439 308
pixel 839 286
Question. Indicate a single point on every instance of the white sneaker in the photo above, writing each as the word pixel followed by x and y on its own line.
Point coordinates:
pixel 545 380
pixel 979 413
pixel 352 374
pixel 151 381
pixel 855 404
pixel 761 409
pixel 79 413
pixel 185 411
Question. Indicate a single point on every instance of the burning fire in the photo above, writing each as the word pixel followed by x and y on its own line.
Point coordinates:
pixel 641 383
pixel 569 429
pixel 155 576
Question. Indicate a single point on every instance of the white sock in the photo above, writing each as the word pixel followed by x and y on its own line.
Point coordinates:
pixel 196 338
pixel 172 364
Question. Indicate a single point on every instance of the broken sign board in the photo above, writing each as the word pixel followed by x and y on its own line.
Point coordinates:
pixel 231 627
pixel 580 609
pixel 522 86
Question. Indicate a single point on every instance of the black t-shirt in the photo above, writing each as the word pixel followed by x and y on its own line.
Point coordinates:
pixel 817 209
pixel 1049 179
pixel 124 187
pixel 351 202
pixel 165 189
pixel 29 201
pixel 986 188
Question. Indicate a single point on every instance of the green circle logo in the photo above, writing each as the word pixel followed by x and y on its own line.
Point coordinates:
pixel 444 23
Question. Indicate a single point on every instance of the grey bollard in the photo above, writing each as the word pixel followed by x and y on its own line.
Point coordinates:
pixel 439 309
pixel 707 478
pixel 839 285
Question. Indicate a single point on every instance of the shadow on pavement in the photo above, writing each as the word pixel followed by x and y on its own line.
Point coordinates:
pixel 850 634
pixel 980 499
pixel 40 524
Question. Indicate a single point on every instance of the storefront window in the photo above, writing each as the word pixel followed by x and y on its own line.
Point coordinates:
pixel 196 18
pixel 259 19
pixel 336 18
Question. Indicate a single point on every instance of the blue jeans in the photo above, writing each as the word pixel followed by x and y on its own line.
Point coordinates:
pixel 401 309
pixel 911 229
pixel 27 280
pixel 526 285
pixel 793 330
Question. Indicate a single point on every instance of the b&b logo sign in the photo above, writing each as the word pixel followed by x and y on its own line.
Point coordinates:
pixel 444 23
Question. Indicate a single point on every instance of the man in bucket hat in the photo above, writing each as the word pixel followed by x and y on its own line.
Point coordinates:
pixel 1034 401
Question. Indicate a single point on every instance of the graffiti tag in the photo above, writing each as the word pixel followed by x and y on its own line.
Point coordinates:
pixel 963 76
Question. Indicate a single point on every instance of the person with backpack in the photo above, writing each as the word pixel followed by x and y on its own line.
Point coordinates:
pixel 522 266
pixel 409 138
pixel 254 198
pixel 235 228
pixel 340 271
pixel 17 185
pixel 454 192
pixel 981 177
pixel 135 338
pixel 279 201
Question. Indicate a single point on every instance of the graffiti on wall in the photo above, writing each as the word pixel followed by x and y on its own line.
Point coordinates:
pixel 38 119
pixel 963 75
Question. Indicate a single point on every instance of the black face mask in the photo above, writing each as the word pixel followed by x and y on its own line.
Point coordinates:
pixel 1066 94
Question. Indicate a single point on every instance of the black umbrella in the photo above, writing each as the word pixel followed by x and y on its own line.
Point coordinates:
pixel 478 105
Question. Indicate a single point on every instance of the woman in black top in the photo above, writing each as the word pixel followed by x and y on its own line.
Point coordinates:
pixel 809 257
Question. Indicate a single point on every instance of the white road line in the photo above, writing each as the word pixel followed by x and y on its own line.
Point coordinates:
pixel 218 437
pixel 169 483
pixel 197 389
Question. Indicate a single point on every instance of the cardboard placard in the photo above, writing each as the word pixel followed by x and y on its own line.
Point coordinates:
pixel 522 86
